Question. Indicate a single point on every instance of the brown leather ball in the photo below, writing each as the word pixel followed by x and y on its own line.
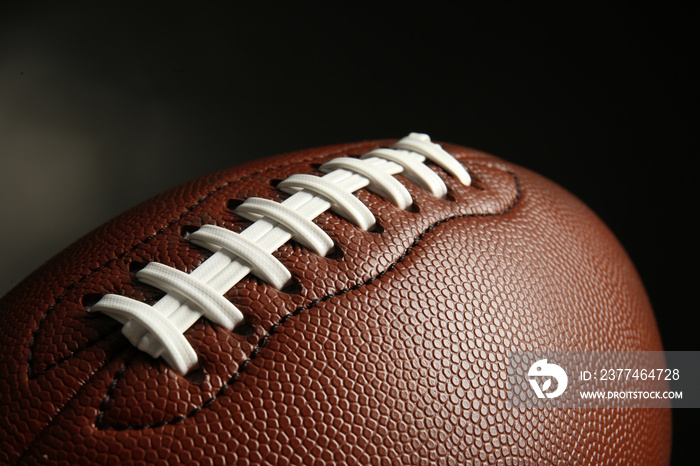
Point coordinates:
pixel 389 349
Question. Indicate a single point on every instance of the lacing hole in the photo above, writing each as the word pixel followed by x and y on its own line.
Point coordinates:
pixel 90 299
pixel 186 230
pixel 232 204
pixel 155 298
pixel 275 182
pixel 376 228
pixel 244 329
pixel 135 266
pixel 196 376
pixel 477 185
pixel 450 197
pixel 413 208
pixel 335 253
pixel 293 287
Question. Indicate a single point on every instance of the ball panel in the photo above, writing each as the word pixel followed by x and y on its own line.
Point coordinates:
pixel 396 350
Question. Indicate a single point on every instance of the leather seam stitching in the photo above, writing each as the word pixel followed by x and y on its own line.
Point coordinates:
pixel 263 340
pixel 31 374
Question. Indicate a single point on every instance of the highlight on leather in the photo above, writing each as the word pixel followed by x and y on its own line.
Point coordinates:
pixel 158 330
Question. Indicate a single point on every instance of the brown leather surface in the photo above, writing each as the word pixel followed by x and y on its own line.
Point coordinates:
pixel 391 352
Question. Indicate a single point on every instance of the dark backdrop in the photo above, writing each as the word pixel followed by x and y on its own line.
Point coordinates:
pixel 104 106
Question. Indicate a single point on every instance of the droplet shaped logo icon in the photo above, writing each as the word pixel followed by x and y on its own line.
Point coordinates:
pixel 544 372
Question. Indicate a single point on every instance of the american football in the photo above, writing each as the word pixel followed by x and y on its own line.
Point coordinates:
pixel 351 304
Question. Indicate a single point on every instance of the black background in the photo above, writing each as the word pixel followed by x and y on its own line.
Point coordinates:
pixel 104 106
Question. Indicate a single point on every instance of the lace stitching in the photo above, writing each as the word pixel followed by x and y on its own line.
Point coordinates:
pixel 159 329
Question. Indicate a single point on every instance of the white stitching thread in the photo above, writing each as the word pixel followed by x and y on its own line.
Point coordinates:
pixel 343 203
pixel 158 330
pixel 264 265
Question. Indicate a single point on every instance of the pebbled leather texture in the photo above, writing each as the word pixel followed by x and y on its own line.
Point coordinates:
pixel 392 351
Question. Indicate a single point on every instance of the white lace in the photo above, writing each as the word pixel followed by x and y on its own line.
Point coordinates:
pixel 159 329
